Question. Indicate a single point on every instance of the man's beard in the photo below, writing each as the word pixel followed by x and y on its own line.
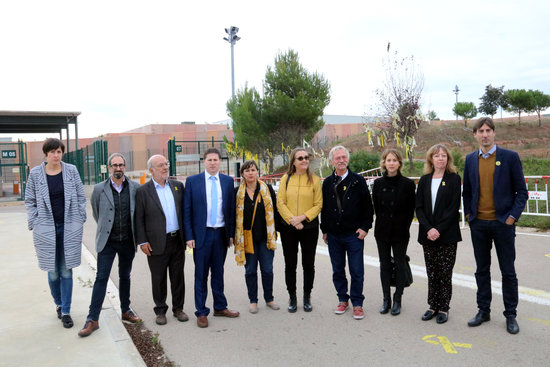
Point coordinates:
pixel 118 175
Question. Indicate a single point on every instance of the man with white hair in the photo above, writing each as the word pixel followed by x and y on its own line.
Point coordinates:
pixel 159 233
pixel 346 218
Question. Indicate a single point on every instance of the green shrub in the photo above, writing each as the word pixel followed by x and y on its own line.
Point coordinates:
pixel 363 160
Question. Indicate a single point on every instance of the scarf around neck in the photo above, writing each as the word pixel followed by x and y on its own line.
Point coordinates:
pixel 269 220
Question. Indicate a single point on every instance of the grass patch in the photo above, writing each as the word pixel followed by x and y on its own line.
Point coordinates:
pixel 540 223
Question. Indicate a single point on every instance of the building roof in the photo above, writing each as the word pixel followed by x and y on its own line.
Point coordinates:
pixel 36 121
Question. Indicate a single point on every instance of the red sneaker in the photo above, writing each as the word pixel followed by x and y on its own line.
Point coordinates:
pixel 341 308
pixel 358 313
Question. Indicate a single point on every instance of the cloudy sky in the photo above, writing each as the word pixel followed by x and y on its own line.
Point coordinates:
pixel 124 64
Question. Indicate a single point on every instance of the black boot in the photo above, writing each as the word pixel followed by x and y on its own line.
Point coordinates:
pixel 396 308
pixel 307 303
pixel 292 303
pixel 385 305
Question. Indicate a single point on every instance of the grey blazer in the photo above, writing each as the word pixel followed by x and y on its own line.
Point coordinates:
pixel 40 216
pixel 103 209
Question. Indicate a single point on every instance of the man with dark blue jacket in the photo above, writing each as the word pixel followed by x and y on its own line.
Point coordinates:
pixel 494 195
pixel 346 218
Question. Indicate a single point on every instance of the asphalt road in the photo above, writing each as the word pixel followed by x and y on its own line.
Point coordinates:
pixel 321 338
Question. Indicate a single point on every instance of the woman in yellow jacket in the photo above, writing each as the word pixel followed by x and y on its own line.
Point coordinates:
pixel 299 201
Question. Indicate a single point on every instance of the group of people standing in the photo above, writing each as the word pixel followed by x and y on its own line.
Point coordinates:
pixel 209 215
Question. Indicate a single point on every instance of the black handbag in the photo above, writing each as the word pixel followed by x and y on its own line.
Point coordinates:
pixel 408 272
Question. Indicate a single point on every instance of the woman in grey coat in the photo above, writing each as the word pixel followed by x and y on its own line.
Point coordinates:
pixel 56 210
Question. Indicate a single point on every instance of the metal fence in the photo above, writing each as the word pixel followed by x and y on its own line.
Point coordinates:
pixel 91 162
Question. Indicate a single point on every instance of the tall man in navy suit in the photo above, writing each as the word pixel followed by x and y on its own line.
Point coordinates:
pixel 209 220
pixel 494 197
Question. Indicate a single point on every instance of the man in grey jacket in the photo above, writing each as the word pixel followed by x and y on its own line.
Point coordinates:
pixel 113 203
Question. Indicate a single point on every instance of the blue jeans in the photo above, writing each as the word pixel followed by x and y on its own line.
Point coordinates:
pixel 484 233
pixel 61 280
pixel 338 246
pixel 265 257
pixel 105 258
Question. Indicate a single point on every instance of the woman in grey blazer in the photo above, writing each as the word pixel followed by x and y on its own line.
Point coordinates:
pixel 56 210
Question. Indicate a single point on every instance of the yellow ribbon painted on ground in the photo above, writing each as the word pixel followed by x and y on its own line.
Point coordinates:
pixel 445 343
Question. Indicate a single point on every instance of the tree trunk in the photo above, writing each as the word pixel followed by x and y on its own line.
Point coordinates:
pixel 519 118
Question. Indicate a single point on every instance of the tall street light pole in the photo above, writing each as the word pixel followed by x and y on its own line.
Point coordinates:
pixel 232 38
pixel 456 90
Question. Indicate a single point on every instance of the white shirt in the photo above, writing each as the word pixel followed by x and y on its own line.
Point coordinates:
pixel 435 186
pixel 219 217
pixel 168 206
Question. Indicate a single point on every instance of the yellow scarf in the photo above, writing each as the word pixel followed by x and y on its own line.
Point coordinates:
pixel 269 219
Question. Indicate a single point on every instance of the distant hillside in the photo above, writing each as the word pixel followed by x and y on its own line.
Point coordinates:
pixel 528 139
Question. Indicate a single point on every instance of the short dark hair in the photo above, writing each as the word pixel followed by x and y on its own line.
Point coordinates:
pixel 484 121
pixel 212 150
pixel 52 144
pixel 248 164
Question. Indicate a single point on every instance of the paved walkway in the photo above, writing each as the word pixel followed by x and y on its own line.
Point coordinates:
pixel 30 332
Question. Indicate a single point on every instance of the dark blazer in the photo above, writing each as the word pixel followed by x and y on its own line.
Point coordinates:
pixel 357 210
pixel 195 209
pixel 394 201
pixel 509 190
pixel 103 210
pixel 149 216
pixel 445 216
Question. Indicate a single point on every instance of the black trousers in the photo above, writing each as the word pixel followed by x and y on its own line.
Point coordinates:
pixel 399 250
pixel 440 261
pixel 171 261
pixel 307 239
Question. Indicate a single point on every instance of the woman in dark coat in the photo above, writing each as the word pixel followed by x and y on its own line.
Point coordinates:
pixel 437 205
pixel 394 199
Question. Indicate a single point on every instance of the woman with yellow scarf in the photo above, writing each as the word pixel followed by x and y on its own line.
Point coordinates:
pixel 255 233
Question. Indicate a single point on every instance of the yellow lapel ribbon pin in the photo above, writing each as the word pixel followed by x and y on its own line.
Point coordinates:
pixel 443 183
pixel 498 163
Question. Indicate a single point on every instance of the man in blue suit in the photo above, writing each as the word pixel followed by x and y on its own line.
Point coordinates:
pixel 494 197
pixel 209 220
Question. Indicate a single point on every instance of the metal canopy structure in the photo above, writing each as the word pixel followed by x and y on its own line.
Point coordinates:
pixel 35 122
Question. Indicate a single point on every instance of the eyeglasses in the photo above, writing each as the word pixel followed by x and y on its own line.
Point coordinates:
pixel 163 164
pixel 301 158
pixel 121 165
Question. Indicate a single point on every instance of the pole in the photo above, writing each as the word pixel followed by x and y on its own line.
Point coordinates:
pixel 232 72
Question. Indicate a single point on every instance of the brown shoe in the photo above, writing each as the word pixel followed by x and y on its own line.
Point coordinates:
pixel 89 327
pixel 181 316
pixel 226 313
pixel 161 320
pixel 202 321
pixel 131 317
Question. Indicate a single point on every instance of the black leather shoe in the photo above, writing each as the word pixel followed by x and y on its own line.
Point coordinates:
pixel 396 308
pixel 292 304
pixel 385 306
pixel 428 315
pixel 512 325
pixel 67 321
pixel 307 303
pixel 479 319
pixel 442 317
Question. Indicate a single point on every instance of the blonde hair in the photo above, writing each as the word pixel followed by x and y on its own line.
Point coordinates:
pixel 429 164
pixel 397 155
pixel 291 169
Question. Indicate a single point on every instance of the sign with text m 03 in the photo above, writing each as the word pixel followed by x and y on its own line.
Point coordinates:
pixel 9 154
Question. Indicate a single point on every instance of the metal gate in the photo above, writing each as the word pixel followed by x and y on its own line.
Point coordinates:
pixel 185 157
pixel 91 162
pixel 13 170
